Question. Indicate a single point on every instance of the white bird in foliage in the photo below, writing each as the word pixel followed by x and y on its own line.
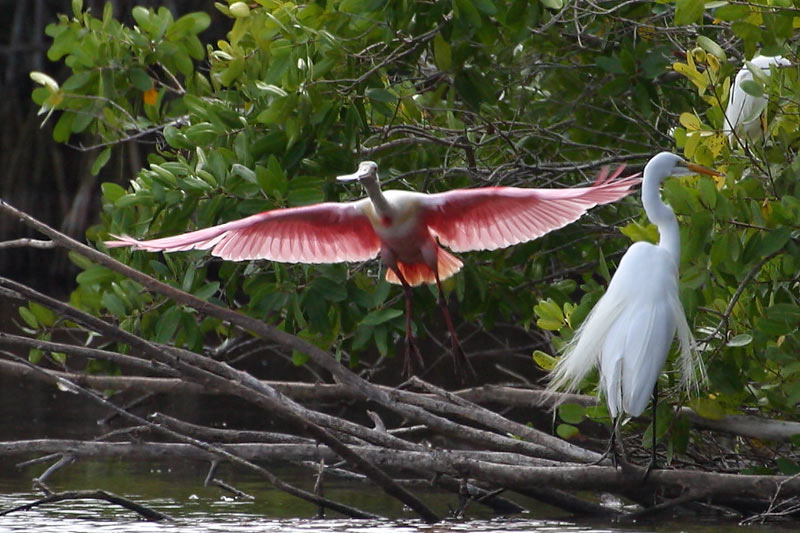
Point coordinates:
pixel 406 228
pixel 744 111
pixel 629 332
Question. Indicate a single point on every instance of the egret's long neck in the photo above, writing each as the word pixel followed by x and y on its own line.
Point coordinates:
pixel 662 216
pixel 373 187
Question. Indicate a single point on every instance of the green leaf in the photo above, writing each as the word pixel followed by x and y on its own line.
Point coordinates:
pixel 45 316
pixel 77 80
pixel 140 79
pixel 753 88
pixel 305 190
pixel 731 12
pixel 690 121
pixel 299 358
pixel 167 324
pixel 544 360
pixel 95 275
pixel 711 47
pixel 360 6
pixel 747 31
pixel 272 179
pixel 740 340
pixel 549 309
pixel 381 95
pixel 485 6
pixel 567 431
pixel 193 23
pixel 101 161
pixel 244 172
pixel 380 316
pixel 708 408
pixel 111 192
pixel 331 290
pixel 688 11
pixel 602 266
pixel 787 466
pixel 571 413
pixel 465 12
pixel 550 315
pixel 775 241
pixel 636 232
pixel 549 325
pixel 208 290
pixel 29 317
pixel 202 133
pixel 442 53
pixel 610 64
pixel 142 17
pixel 35 355
pixel 63 128
pixel 381 337
pixel 270 88
pixel 175 138
pixel 597 412
pixel 114 304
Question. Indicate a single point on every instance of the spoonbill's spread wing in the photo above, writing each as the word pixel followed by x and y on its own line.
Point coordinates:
pixel 321 233
pixel 495 217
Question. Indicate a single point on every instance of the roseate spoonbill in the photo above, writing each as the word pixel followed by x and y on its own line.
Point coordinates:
pixel 629 332
pixel 403 227
pixel 743 114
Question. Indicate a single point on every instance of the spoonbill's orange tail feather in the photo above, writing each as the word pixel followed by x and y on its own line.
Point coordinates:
pixel 419 273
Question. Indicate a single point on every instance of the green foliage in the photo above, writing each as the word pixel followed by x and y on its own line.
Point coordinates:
pixel 740 254
pixel 444 95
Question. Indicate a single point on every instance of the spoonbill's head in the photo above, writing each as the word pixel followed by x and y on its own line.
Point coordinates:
pixel 367 171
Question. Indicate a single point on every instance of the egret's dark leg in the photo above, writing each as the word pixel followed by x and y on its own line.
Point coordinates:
pixel 464 369
pixel 411 344
pixel 652 464
pixel 611 449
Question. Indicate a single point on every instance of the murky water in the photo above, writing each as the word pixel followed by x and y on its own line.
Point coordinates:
pixel 177 490
pixel 29 410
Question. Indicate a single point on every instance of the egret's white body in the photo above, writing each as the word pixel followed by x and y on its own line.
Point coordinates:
pixel 406 228
pixel 629 332
pixel 743 113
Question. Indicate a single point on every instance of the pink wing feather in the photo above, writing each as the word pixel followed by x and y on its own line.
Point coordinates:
pixel 321 233
pixel 495 217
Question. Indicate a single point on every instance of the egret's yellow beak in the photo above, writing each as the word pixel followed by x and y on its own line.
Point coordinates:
pixel 702 170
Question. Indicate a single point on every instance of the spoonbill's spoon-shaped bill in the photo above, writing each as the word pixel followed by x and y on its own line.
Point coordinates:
pixel 629 332
pixel 406 228
pixel 743 113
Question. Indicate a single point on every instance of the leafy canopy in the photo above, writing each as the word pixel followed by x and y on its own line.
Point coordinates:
pixel 446 94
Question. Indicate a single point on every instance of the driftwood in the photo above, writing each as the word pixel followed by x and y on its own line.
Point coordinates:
pixel 478 454
pixel 143 511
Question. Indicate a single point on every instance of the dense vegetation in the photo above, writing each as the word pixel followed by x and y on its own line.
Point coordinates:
pixel 538 93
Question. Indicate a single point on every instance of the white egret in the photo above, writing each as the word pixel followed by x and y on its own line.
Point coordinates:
pixel 744 111
pixel 629 332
